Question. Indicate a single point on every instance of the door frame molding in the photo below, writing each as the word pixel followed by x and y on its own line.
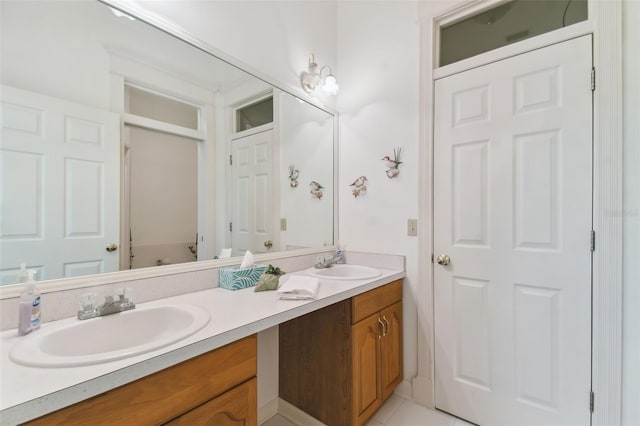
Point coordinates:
pixel 605 23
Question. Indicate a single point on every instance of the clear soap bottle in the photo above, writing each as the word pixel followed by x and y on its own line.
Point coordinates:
pixel 29 310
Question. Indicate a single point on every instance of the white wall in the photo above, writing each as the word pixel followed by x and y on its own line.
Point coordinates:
pixel 306 141
pixel 631 215
pixel 273 37
pixel 378 103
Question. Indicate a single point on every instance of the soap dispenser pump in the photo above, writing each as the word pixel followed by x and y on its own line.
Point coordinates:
pixel 23 274
pixel 29 311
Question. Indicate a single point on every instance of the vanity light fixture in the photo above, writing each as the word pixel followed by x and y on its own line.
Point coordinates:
pixel 312 78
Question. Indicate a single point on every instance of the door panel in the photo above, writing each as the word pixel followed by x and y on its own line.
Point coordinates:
pixel 512 196
pixel 252 180
pixel 66 209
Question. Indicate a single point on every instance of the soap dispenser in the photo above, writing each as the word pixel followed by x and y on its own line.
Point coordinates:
pixel 29 311
pixel 23 275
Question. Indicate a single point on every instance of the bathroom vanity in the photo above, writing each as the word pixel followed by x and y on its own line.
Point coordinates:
pixel 212 374
pixel 340 363
pixel 218 387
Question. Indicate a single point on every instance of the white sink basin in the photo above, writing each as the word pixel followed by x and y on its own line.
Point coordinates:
pixel 108 338
pixel 345 272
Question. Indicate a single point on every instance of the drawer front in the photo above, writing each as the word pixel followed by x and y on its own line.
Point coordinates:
pixel 373 301
pixel 162 396
pixel 237 407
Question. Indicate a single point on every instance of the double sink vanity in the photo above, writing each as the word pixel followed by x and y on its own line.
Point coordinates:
pixel 192 358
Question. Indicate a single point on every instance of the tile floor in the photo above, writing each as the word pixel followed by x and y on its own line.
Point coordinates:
pixel 397 411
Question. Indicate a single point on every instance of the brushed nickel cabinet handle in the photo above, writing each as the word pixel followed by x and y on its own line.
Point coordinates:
pixel 384 318
pixel 384 333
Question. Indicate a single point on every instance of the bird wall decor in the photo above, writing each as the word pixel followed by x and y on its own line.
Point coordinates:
pixel 359 187
pixel 293 176
pixel 393 164
pixel 316 190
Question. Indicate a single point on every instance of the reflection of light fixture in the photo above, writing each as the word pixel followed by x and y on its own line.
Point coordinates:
pixel 312 78
pixel 121 14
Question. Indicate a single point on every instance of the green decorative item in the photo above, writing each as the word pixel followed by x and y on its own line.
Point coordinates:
pixel 269 279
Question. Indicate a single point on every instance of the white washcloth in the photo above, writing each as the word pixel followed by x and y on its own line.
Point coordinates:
pixel 299 287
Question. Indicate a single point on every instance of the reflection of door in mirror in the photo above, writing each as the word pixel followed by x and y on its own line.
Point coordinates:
pixel 163 187
pixel 160 179
pixel 252 193
pixel 60 186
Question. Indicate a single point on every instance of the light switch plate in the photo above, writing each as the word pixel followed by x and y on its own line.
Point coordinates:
pixel 283 224
pixel 412 227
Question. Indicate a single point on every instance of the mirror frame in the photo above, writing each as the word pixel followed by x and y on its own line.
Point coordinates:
pixel 149 18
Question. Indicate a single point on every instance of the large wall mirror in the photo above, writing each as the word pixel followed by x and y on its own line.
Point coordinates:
pixel 125 147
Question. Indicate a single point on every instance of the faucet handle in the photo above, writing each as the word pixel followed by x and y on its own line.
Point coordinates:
pixel 124 296
pixel 88 301
pixel 88 306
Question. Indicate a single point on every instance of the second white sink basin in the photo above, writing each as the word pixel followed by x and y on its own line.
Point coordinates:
pixel 346 272
pixel 109 338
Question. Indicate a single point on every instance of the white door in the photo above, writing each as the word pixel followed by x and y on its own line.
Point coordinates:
pixel 60 186
pixel 513 201
pixel 252 193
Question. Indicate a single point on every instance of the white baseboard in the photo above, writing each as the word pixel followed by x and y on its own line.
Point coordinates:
pixel 295 415
pixel 404 389
pixel 423 392
pixel 267 411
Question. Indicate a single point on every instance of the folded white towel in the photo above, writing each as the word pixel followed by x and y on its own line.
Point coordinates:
pixel 298 287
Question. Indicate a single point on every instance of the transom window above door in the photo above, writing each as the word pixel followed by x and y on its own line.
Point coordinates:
pixel 505 24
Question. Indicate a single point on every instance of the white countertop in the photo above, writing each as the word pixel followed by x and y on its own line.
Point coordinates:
pixel 30 392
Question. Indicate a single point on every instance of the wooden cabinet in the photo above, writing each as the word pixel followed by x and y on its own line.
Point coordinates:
pixel 236 407
pixel 217 388
pixel 340 363
pixel 377 348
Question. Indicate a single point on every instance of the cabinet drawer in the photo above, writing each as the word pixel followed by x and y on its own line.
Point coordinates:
pixel 373 301
pixel 237 407
pixel 162 396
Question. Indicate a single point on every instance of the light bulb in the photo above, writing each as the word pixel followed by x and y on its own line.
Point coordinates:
pixel 330 85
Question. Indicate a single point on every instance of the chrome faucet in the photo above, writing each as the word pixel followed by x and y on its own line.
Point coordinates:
pixel 112 304
pixel 323 262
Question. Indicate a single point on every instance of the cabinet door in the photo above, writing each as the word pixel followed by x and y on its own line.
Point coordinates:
pixel 237 407
pixel 391 349
pixel 366 346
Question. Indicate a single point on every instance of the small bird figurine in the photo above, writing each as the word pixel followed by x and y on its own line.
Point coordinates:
pixel 316 189
pixel 390 163
pixel 293 176
pixel 293 173
pixel 315 186
pixel 359 187
pixel 393 164
pixel 359 182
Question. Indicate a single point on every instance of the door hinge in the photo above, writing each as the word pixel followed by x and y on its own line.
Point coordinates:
pixel 593 241
pixel 592 399
pixel 593 79
pixel 230 226
pixel 231 160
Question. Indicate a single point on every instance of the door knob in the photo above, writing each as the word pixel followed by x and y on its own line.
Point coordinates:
pixel 443 260
pixel 112 247
pixel 268 244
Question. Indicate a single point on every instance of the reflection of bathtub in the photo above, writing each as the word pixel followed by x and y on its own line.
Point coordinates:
pixel 149 254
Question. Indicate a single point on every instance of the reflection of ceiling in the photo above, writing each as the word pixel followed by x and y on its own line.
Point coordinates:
pixel 89 24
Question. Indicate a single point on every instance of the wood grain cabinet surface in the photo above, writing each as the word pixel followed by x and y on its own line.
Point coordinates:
pixel 340 363
pixel 216 388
